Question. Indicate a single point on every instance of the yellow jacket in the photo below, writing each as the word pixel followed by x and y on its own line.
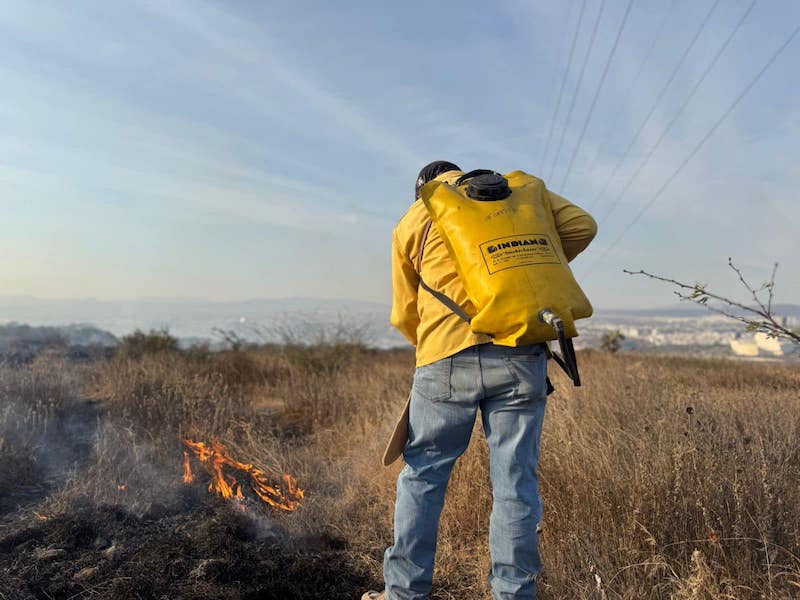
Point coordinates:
pixel 429 325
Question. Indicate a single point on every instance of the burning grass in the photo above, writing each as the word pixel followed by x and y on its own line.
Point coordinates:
pixel 662 478
pixel 216 457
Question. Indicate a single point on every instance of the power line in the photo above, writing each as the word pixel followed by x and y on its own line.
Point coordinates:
pixel 640 71
pixel 578 86
pixel 696 149
pixel 563 85
pixel 660 96
pixel 558 76
pixel 677 115
pixel 596 94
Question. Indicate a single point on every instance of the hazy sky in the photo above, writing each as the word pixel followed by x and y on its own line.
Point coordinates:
pixel 233 150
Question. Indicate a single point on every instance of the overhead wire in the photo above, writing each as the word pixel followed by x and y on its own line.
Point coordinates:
pixel 679 112
pixel 546 146
pixel 696 149
pixel 597 94
pixel 614 123
pixel 578 86
pixel 659 97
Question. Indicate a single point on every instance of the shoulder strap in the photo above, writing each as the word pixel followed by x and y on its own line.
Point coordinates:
pixel 446 300
pixel 421 252
pixel 443 298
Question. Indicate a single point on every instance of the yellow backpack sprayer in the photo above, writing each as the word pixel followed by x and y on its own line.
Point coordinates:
pixel 500 232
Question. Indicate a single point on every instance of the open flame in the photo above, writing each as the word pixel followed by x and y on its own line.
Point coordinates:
pixel 215 457
pixel 188 476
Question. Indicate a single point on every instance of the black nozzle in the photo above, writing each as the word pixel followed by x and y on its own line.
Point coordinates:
pixel 567 360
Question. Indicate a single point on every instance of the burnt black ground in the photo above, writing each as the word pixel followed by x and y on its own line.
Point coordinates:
pixel 195 547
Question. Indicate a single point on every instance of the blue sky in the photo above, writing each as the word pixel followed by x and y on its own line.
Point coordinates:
pixel 233 150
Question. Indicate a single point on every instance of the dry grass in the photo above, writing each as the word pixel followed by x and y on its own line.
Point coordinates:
pixel 662 478
pixel 29 399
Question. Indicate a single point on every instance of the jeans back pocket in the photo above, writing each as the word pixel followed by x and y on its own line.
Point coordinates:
pixel 529 373
pixel 432 381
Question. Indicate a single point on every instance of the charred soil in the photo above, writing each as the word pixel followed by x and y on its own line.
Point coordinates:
pixel 196 546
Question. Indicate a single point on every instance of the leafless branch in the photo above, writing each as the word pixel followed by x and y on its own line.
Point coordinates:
pixel 772 287
pixel 762 319
pixel 747 286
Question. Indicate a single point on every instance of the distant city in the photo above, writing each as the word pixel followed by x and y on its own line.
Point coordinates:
pixel 690 330
pixel 684 329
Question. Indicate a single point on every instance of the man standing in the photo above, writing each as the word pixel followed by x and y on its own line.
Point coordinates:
pixel 457 373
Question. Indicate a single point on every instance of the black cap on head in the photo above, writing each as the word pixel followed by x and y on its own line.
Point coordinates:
pixel 431 171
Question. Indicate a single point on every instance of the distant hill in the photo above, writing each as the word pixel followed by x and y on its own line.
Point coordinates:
pixel 72 335
pixel 20 343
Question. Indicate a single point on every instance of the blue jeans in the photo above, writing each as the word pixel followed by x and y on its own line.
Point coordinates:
pixel 508 385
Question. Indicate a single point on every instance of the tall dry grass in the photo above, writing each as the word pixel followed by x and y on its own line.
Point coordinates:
pixel 662 477
pixel 30 399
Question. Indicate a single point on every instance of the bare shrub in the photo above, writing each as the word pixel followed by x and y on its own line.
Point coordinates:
pixel 612 341
pixel 139 343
